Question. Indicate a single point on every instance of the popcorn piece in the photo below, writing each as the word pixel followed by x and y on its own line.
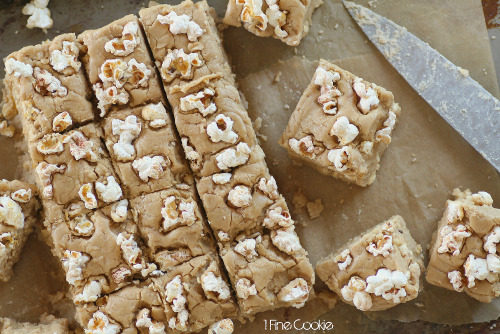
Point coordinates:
pixel 493 262
pixel 230 158
pixel 367 95
pixel 90 293
pixel 222 130
pixel 119 211
pixel 240 196
pixel 87 196
pixel 455 212
pixel 384 135
pixel 355 292
pixel 343 259
pixel 388 284
pixel 223 236
pixel 304 146
pixel 193 156
pixel 110 192
pixel 174 294
pixel 457 280
pixel 221 178
pixel 295 292
pixel 344 131
pixel 131 251
pixel 128 131
pixel 286 240
pixel 144 320
pixel 481 198
pixel 366 147
pixel 175 214
pixel 126 44
pixel 114 72
pixel 247 248
pixel 252 13
pixel 225 326
pixel 328 92
pixel 202 101
pixel 100 324
pixel 67 57
pixel 61 122
pixel 120 275
pixel 109 96
pixel 453 239
pixel 245 288
pixel 11 213
pixel 80 147
pixel 51 143
pixel 21 195
pixel 150 167
pixel 177 63
pixel 277 217
pixel 491 240
pixel 382 246
pixel 277 18
pixel 477 268
pixel 169 259
pixel 47 84
pixel 82 226
pixel 138 73
pixel 212 283
pixel 18 68
pixel 73 262
pixel 7 130
pixel 156 115
pixel 45 172
pixel 340 157
pixel 269 187
pixel 181 24
pixel 39 14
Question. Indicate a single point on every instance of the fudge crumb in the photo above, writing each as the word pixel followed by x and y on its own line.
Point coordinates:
pixel 299 200
pixel 277 77
pixel 39 15
pixel 6 130
pixel 315 208
pixel 336 26
pixel 463 72
pixel 493 37
pixel 419 305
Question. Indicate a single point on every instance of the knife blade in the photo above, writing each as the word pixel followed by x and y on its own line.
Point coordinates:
pixel 471 110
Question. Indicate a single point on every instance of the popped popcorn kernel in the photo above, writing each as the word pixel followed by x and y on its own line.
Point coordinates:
pixel 252 13
pixel 225 326
pixel 211 283
pixel 181 24
pixel 277 217
pixel 191 155
pixel 223 236
pixel 268 187
pixel 113 72
pixel 150 167
pixel 304 146
pixel 121 275
pixel 276 18
pixel 177 212
pixel 221 178
pixel 22 195
pixel 82 226
pixel 230 158
pixel 61 122
pixel 7 130
pixel 457 280
pixel 119 211
pixel 286 240
pixel 80 147
pixel 177 63
pixel 240 196
pixel 90 293
pixel 144 320
pixel 344 131
pixel 328 92
pixel 201 101
pixel 295 292
pixel 382 246
pixel 11 213
pixel 128 131
pixel 126 44
pixel 222 130
pixel 67 57
pixel 384 134
pixel 368 98
pixel 388 284
pixel 366 147
pixel 247 248
pixel 47 84
pixel 45 172
pixel 453 239
pixel 245 288
pixel 355 292
pixel 455 212
pixel 30 112
pixel 110 192
pixel 100 324
pixel 51 143
pixel 73 262
pixel 344 259
pixel 108 96
pixel 131 251
pixel 174 295
pixel 477 269
pixel 18 68
pixel 481 198
pixel 39 15
pixel 155 115
pixel 138 73
pixel 340 158
pixel 87 196
pixel 491 240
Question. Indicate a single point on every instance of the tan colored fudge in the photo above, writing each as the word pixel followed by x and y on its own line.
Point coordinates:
pixel 377 270
pixel 341 125
pixel 47 325
pixel 18 213
pixel 46 84
pixel 286 20
pixel 464 252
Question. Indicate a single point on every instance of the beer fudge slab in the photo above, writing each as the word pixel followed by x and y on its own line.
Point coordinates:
pixel 50 325
pixel 74 167
pixel 46 85
pixel 268 271
pixel 18 213
pixel 286 20
pixel 195 294
pixel 341 125
pixel 118 65
pixel 133 309
pixel 145 150
pixel 377 270
pixel 173 226
pixel 464 253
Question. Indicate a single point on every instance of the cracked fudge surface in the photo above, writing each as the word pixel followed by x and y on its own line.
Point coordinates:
pixel 46 85
pixel 464 249
pixel 145 150
pixel 341 125
pixel 48 325
pixel 286 20
pixel 18 211
pixel 377 270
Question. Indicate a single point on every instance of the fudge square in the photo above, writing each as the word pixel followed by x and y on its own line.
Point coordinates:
pixel 464 253
pixel 18 213
pixel 145 150
pixel 377 270
pixel 118 65
pixel 286 20
pixel 342 125
pixel 46 84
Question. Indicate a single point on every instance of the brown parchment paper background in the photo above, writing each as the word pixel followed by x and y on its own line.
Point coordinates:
pixel 423 164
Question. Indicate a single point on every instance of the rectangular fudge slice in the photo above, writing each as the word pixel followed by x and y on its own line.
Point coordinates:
pixel 376 270
pixel 46 84
pixel 145 150
pixel 464 252
pixel 118 65
pixel 286 20
pixel 341 125
pixel 18 213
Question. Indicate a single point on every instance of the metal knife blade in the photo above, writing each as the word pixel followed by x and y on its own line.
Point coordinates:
pixel 461 101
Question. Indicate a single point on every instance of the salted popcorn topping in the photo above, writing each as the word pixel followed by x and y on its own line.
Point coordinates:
pixel 277 217
pixel 119 211
pixel 222 130
pixel 67 57
pixel 47 84
pixel 193 156
pixel 295 292
pixel 247 248
pixel 90 293
pixel 343 259
pixel 138 73
pixel 304 146
pixel 11 213
pixel 61 122
pixel 384 134
pixel 51 143
pixel 117 73
pixel 150 167
pixel 21 195
pixel 80 147
pixel 453 239
pixel 245 288
pixel 201 101
pixel 477 268
pixel 481 198
pixel 45 172
pixel 457 280
pixel 175 214
pixel 240 196
pixel 277 18
pixel 231 157
pixel 328 92
pixel 388 284
pixel 221 178
pixel 455 212
pixel 126 44
pixel 82 225
pixel 340 157
pixel 109 192
pixel 73 262
pixel 87 196
pixel 144 320
pixel 109 96
pixel 211 283
pixel 225 326
pixel 100 324
pixel 128 131
pixel 382 246
pixel 131 251
pixel 368 98
pixel 174 295
pixel 491 240
pixel 355 292
pixel 18 68
pixel 177 63
pixel 286 240
pixel 252 13
pixel 344 131
pixel 181 24
pixel 39 14
pixel 155 115
pixel 269 187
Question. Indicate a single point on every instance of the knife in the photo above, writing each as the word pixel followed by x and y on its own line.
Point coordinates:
pixel 461 101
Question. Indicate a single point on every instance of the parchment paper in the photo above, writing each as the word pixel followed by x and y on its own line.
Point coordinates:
pixel 442 159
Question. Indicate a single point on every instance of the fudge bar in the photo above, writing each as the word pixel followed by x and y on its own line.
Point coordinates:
pixel 18 212
pixel 49 324
pixel 286 20
pixel 118 65
pixel 342 125
pixel 464 252
pixel 46 84
pixel 145 150
pixel 377 270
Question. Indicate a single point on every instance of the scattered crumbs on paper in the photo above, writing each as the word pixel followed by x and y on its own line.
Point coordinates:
pixel 463 72
pixel 277 77
pixel 484 71
pixel 336 26
pixel 419 305
pixel 429 205
pixel 372 3
pixel 287 107
pixel 321 31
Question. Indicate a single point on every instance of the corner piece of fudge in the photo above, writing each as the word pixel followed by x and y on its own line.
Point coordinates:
pixel 18 210
pixel 342 125
pixel 288 20
pixel 377 270
pixel 48 324
pixel 464 253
